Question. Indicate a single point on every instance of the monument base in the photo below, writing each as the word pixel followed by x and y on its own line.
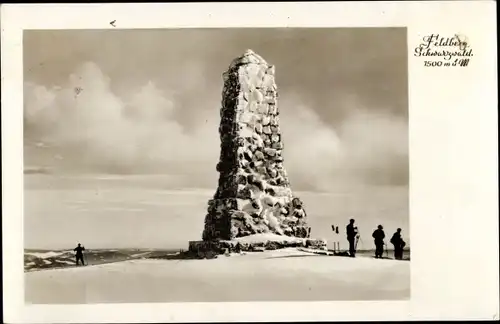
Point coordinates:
pixel 252 243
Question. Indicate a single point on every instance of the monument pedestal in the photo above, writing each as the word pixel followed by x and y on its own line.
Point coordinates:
pixel 253 243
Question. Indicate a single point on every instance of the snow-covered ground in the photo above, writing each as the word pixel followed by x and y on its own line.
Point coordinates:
pixel 266 237
pixel 45 255
pixel 280 275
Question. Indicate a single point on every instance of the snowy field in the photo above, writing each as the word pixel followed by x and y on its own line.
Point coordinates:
pixel 121 214
pixel 43 260
pixel 281 275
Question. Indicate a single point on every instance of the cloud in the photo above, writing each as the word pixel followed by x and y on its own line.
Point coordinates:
pixel 85 126
pixel 95 130
pixel 369 146
pixel 374 147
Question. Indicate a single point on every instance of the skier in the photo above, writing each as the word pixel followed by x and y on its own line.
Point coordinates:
pixel 399 245
pixel 79 253
pixel 379 236
pixel 352 234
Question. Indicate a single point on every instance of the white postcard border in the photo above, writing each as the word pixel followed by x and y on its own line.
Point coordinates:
pixel 453 158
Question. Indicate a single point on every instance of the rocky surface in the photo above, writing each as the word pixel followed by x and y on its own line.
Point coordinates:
pixel 253 194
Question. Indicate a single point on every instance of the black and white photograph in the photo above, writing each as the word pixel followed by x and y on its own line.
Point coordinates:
pixel 206 165
pixel 249 162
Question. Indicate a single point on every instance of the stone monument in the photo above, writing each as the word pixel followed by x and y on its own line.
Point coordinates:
pixel 253 194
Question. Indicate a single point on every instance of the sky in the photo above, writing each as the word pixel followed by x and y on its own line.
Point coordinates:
pixel 146 102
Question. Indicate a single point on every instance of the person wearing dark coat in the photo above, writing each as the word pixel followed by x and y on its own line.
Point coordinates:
pixel 379 236
pixel 399 245
pixel 351 231
pixel 79 253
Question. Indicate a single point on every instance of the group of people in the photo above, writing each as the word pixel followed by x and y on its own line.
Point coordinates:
pixel 352 237
pixel 379 236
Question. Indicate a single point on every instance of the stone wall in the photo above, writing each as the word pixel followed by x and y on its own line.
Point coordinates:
pixel 253 194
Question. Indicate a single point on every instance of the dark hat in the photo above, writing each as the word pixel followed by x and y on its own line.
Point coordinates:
pixel 380 227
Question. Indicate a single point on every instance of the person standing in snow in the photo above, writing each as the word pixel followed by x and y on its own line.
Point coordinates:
pixel 79 253
pixel 399 245
pixel 379 236
pixel 352 232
